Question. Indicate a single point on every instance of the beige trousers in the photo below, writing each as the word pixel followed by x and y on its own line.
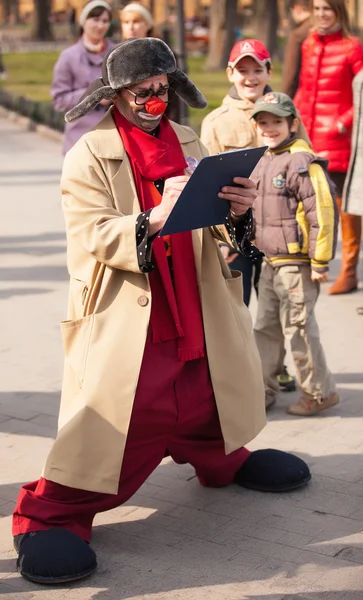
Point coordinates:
pixel 286 301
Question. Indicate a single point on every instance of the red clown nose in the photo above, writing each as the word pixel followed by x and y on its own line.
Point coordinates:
pixel 155 106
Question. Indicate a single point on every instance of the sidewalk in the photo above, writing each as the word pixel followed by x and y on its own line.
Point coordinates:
pixel 173 540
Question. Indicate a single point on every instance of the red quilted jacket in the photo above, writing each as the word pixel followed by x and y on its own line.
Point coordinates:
pixel 324 96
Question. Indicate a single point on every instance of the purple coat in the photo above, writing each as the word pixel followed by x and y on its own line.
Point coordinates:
pixel 75 69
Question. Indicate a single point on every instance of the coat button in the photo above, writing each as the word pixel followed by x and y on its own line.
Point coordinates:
pixel 143 300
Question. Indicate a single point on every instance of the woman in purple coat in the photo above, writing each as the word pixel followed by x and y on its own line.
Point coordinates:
pixel 79 65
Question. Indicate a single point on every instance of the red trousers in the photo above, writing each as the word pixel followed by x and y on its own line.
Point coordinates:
pixel 174 412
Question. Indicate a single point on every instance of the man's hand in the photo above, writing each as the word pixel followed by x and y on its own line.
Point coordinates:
pixel 226 251
pixel 172 189
pixel 320 277
pixel 241 198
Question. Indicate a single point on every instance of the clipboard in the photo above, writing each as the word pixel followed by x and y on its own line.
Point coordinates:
pixel 199 205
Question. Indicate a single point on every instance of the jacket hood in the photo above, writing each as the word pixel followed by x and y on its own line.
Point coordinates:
pixel 241 103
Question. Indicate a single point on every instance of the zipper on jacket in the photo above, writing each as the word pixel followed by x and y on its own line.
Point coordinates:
pixel 270 156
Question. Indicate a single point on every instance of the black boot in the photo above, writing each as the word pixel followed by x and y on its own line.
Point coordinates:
pixel 54 556
pixel 273 471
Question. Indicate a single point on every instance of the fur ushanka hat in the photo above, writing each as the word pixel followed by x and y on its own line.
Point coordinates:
pixel 130 62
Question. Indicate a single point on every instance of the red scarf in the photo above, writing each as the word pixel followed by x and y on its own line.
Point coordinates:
pixel 175 309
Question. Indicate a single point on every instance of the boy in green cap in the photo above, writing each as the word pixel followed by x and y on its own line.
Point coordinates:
pixel 229 127
pixel 296 228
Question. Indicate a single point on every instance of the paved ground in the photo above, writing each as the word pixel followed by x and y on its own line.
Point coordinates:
pixel 173 540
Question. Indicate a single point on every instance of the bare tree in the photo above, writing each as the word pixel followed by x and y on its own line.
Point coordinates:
pixel 42 27
pixel 229 38
pixel 6 11
pixel 266 17
pixel 10 11
pixel 223 19
pixel 216 34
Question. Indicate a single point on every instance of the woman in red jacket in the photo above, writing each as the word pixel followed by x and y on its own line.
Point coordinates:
pixel 331 57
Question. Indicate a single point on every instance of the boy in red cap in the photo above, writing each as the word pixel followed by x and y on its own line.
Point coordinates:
pixel 229 127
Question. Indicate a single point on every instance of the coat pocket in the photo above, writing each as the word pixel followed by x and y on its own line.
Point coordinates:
pixel 235 287
pixel 240 311
pixel 297 308
pixel 302 294
pixel 291 236
pixel 76 337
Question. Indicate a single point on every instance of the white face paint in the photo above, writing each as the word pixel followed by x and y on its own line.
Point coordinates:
pixel 136 113
pixel 148 116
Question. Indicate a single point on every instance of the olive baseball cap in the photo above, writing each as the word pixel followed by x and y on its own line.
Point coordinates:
pixel 277 103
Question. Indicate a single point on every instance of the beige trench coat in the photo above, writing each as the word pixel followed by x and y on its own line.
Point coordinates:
pixel 108 318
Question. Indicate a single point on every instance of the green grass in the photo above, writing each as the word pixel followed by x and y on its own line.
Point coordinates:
pixel 30 75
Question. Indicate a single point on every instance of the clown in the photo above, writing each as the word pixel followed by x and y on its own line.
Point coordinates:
pixel 159 354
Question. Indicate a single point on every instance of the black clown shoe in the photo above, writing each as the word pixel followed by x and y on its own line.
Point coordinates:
pixel 273 471
pixel 54 556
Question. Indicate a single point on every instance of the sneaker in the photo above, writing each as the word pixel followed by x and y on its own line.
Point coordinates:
pixel 286 381
pixel 307 407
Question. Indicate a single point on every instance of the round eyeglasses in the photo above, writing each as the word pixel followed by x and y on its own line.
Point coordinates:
pixel 143 96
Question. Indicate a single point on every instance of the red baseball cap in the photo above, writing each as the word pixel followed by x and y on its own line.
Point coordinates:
pixel 253 48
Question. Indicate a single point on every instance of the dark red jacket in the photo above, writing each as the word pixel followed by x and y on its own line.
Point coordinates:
pixel 324 96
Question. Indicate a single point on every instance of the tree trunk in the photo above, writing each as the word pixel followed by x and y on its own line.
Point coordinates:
pixel 7 10
pixel 42 27
pixel 216 34
pixel 152 7
pixel 231 19
pixel 266 20
pixel 16 11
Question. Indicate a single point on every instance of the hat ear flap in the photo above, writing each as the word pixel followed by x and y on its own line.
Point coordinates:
pixel 186 90
pixel 93 95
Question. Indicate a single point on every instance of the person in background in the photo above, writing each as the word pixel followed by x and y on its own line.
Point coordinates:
pixel 137 22
pixel 331 57
pixel 3 73
pixel 79 65
pixel 229 127
pixel 352 193
pixel 301 16
pixel 73 22
pixel 296 225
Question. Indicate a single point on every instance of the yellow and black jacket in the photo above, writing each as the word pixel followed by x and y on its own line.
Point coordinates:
pixel 295 212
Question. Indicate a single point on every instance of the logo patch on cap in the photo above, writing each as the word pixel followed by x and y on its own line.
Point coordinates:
pixel 270 98
pixel 247 47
